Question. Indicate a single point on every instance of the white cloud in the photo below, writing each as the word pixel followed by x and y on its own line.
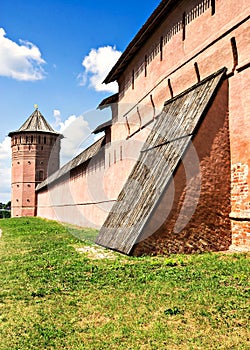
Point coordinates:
pixel 5 149
pixel 97 65
pixel 75 131
pixel 57 116
pixel 5 170
pixel 21 61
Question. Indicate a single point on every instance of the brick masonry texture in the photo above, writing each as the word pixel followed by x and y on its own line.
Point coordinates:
pixel 32 160
pixel 209 228
pixel 212 40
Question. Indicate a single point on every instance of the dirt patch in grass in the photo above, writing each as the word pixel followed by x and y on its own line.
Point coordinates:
pixel 95 252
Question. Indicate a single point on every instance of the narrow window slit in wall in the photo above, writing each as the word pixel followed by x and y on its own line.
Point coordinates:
pixel 40 175
pixel 145 65
pixel 133 79
pixel 197 72
pixel 120 152
pixel 184 26
pixel 153 105
pixel 127 123
pixel 235 53
pixel 114 156
pixel 109 160
pixel 139 115
pixel 161 48
pixel 212 7
pixel 170 88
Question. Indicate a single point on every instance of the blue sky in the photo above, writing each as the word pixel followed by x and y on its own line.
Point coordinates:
pixel 55 53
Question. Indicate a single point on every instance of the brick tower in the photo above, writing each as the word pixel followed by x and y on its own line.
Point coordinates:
pixel 35 155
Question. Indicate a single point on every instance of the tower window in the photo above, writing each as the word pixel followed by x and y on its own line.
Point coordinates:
pixel 45 140
pixel 40 175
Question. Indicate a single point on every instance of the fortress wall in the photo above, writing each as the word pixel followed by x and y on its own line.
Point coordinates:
pixel 86 195
pixel 211 42
pixel 185 220
pixel 240 149
pixel 207 42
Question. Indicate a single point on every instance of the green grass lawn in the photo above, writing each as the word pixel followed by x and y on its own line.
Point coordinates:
pixel 54 297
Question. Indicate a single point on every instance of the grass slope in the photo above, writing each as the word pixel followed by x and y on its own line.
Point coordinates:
pixel 53 297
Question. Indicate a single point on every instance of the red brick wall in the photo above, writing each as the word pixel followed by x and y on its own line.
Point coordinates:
pixel 209 227
pixel 208 43
pixel 86 195
pixel 239 98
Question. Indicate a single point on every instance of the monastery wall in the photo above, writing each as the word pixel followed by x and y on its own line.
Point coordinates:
pixel 196 39
pixel 174 59
pixel 85 196
pixel 207 42
pixel 179 62
pixel 240 149
pixel 193 215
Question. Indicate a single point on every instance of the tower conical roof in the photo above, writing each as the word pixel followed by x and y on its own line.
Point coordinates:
pixel 35 123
